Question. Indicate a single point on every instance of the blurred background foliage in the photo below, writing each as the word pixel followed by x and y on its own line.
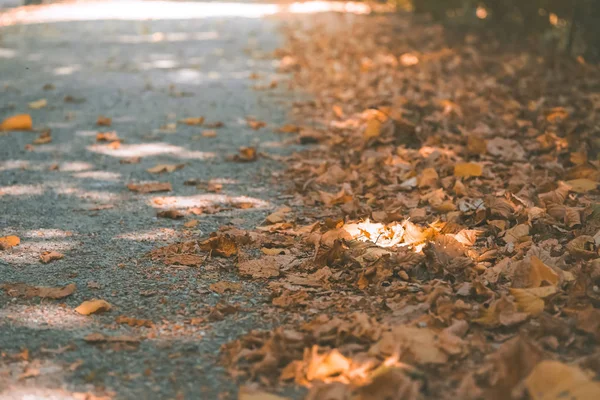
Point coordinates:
pixel 569 25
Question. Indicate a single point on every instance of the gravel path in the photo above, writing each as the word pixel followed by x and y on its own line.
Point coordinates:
pixel 71 196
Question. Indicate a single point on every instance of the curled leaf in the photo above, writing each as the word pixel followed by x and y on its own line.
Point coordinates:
pixel 93 306
pixel 20 122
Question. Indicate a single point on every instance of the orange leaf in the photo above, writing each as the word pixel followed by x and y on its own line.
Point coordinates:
pixel 20 122
pixel 467 169
pixel 103 121
pixel 49 256
pixel 150 187
pixel 7 242
pixel 93 306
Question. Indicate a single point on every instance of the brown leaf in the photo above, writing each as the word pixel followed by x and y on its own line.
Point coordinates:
pixel 224 286
pixel 134 322
pixel 103 121
pixel 100 338
pixel 150 187
pixel 93 306
pixel 264 267
pixel 289 129
pixel 44 138
pixel 220 245
pixel 582 185
pixel 107 136
pixel 246 154
pixel 172 214
pixel 583 247
pixel 23 290
pixel 49 256
pixel 256 125
pixel 185 259
pixel 20 122
pixel 540 273
pixel 209 133
pixel 6 242
pixel 531 301
pixel 193 121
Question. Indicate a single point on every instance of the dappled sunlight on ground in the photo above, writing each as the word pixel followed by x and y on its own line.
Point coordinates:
pixel 163 37
pixel 149 235
pixel 137 10
pixel 21 190
pixel 46 233
pixel 44 316
pixel 28 252
pixel 99 176
pixel 150 149
pixel 87 194
pixel 206 200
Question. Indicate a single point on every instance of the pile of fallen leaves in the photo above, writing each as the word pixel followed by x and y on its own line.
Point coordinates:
pixel 445 230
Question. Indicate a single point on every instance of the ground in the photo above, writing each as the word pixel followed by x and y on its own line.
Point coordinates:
pixel 144 75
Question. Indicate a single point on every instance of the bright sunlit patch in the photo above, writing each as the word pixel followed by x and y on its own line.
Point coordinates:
pixel 66 70
pixel 166 37
pixel 44 316
pixel 150 149
pixel 28 252
pixel 137 10
pixel 99 175
pixel 21 190
pixel 7 53
pixel 96 196
pixel 205 200
pixel 151 235
pixel 75 166
pixel 46 234
pixel 481 12
pixel 14 164
pixel 380 234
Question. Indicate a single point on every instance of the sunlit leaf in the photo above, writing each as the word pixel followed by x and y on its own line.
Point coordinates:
pixel 20 122
pixel 93 307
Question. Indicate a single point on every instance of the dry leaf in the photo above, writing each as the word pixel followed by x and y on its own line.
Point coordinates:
pixel 192 223
pixel 160 168
pixel 150 187
pixel 49 256
pixel 23 290
pixel 256 125
pixel 246 154
pixel 582 185
pixel 288 129
pixel 373 129
pixel 220 245
pixel 553 380
pixel 193 121
pixel 100 338
pixel 107 136
pixel 93 306
pixel 224 286
pixel 103 121
pixel 540 273
pixel 44 138
pixel 6 242
pixel 467 170
pixel 36 105
pixel 172 214
pixel 20 122
pixel 516 233
pixel 264 267
pixel 531 301
pixel 210 133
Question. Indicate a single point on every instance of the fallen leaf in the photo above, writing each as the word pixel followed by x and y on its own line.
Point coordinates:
pixel 191 260
pixel 224 286
pixel 246 154
pixel 23 290
pixel 36 105
pixel 130 160
pixel 172 214
pixel 192 223
pixel 93 306
pixel 49 256
pixel 6 242
pixel 193 121
pixel 264 267
pixel 150 187
pixel 210 133
pixel 160 168
pixel 44 138
pixel 20 122
pixel 256 125
pixel 373 129
pixel 134 322
pixel 220 245
pixel 100 338
pixel 531 301
pixel 107 136
pixel 553 380
pixel 540 273
pixel 288 129
pixel 103 121
pixel 582 185
pixel 467 170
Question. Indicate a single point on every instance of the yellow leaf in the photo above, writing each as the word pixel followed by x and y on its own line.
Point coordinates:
pixel 467 169
pixel 7 242
pixel 93 306
pixel 373 129
pixel 20 122
pixel 531 301
pixel 540 272
pixel 582 185
pixel 553 380
pixel 36 105
pixel 49 256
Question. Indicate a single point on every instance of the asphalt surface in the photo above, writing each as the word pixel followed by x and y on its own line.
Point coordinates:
pixel 71 196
